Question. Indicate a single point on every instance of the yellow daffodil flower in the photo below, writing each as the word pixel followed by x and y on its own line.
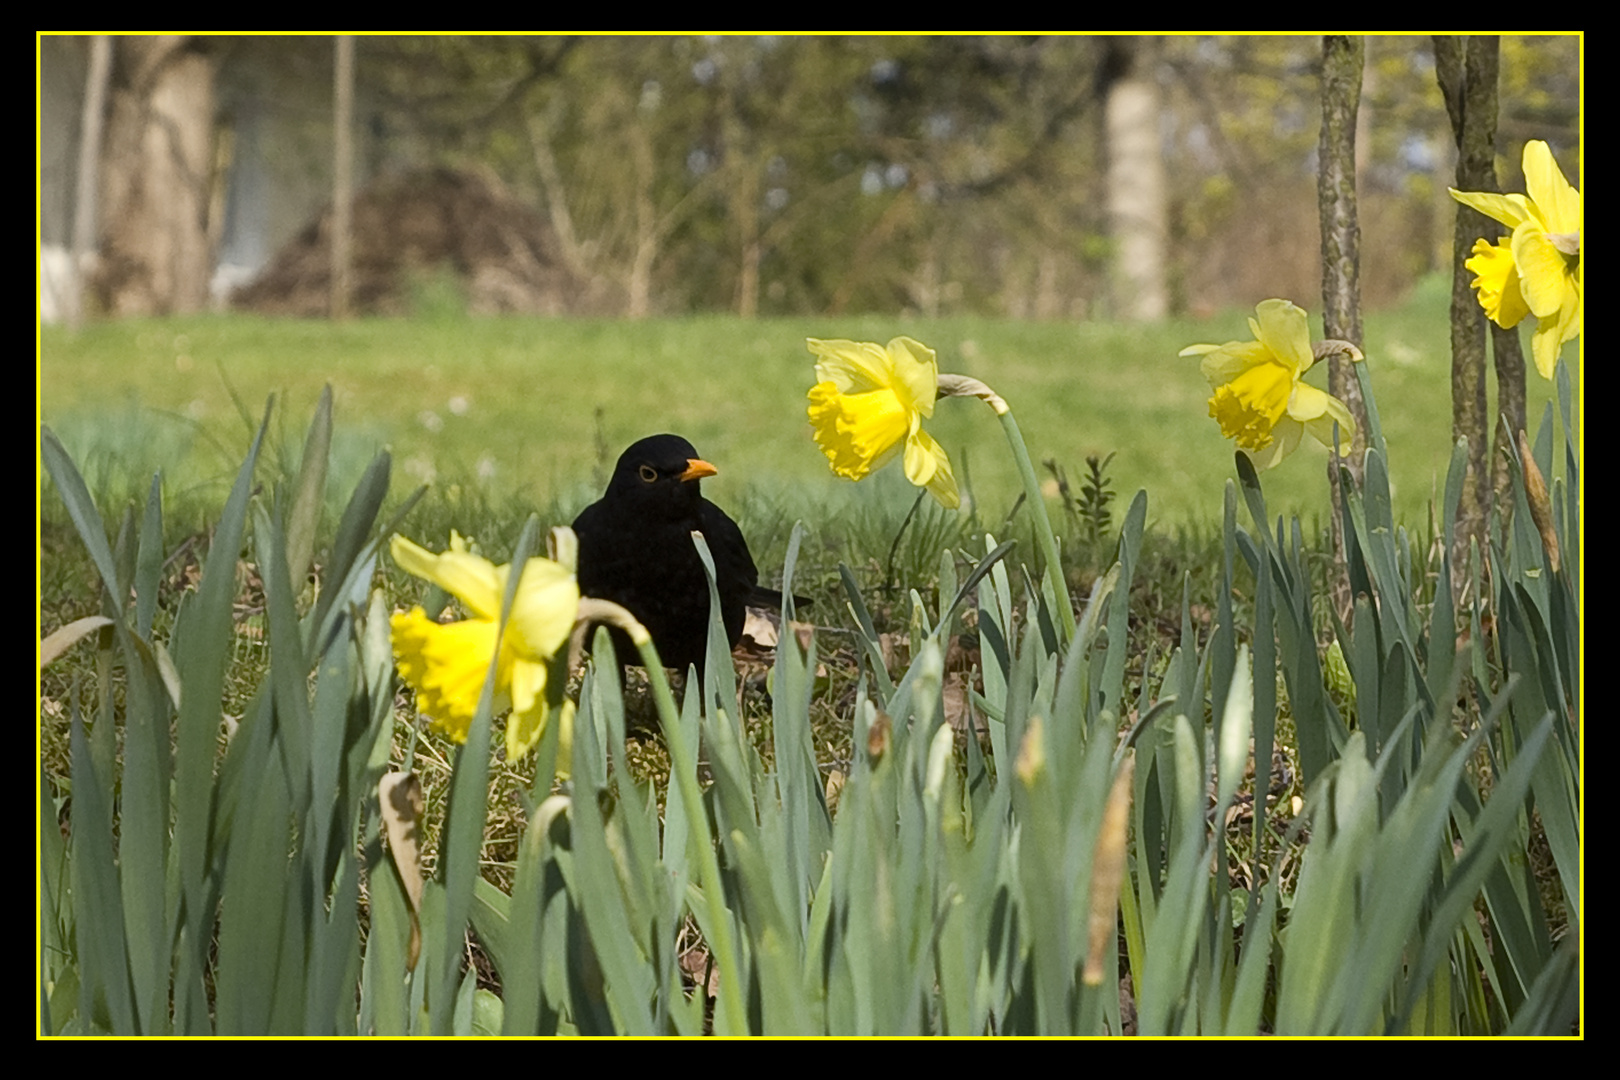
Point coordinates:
pixel 1536 271
pixel 1498 283
pixel 869 401
pixel 446 664
pixel 1260 400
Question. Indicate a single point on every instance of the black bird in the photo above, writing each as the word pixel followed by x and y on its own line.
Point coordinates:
pixel 635 549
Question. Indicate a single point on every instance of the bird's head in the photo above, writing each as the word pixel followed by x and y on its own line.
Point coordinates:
pixel 659 474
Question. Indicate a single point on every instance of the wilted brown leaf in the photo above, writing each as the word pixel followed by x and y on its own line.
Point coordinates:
pixel 896 651
pixel 835 784
pixel 1108 871
pixel 401 797
pixel 878 736
pixel 760 629
pixel 1535 493
pixel 958 704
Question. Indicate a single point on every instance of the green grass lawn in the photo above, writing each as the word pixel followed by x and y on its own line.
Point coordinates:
pixel 532 412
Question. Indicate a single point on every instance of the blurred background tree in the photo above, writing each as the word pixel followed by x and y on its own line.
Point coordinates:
pixel 1026 177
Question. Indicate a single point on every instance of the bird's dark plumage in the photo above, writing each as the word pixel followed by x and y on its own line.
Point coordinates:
pixel 635 549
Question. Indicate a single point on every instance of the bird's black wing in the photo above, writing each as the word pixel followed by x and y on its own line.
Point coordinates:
pixel 601 569
pixel 726 543
pixel 762 597
pixel 596 548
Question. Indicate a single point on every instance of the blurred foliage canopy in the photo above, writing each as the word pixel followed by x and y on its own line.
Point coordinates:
pixel 939 175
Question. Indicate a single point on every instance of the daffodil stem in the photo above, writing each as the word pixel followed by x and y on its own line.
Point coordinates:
pixel 685 770
pixel 1043 523
pixel 888 575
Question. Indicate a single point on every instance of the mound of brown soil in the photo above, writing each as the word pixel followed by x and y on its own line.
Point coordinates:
pixel 412 226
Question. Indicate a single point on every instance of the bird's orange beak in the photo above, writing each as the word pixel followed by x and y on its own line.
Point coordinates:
pixel 697 469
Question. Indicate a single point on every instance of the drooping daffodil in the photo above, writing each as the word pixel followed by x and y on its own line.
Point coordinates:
pixel 1260 399
pixel 868 405
pixel 446 664
pixel 1537 270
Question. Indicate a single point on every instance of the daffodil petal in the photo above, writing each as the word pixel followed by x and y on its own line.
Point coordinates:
pixel 1306 402
pixel 1232 359
pixel 1510 210
pixel 1288 436
pixel 1572 315
pixel 1321 425
pixel 543 610
pixel 915 373
pixel 927 465
pixel 565 738
pixel 524 729
pixel 528 685
pixel 852 366
pixel 474 581
pixel 1267 456
pixel 1285 330
pixel 1544 272
pixel 530 711
pixel 1551 334
pixel 1544 183
pixel 1545 347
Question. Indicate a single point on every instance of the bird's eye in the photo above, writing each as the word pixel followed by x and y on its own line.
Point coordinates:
pixel 648 473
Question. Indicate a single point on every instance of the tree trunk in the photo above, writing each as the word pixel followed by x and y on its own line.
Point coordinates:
pixel 1508 356
pixel 1136 184
pixel 1342 64
pixel 1467 76
pixel 91 123
pixel 342 174
pixel 741 164
pixel 158 172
